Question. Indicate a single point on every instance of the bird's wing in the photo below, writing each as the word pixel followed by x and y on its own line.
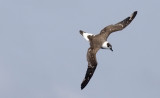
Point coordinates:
pixel 119 26
pixel 92 64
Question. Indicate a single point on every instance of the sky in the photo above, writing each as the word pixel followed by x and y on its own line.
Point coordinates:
pixel 42 54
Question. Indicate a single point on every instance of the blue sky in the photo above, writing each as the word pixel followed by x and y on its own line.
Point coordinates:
pixel 42 54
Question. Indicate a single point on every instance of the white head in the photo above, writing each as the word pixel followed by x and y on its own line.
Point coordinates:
pixel 107 45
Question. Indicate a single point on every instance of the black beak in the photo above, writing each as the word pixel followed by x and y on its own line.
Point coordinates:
pixel 111 49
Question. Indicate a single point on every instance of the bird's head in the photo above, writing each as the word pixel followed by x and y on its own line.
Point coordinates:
pixel 109 46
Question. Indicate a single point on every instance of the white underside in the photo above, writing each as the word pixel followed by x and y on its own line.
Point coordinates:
pixel 104 45
pixel 85 35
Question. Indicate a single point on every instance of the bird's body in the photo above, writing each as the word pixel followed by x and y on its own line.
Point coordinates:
pixel 95 40
pixel 99 41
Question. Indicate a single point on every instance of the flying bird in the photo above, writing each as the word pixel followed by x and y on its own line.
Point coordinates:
pixel 99 41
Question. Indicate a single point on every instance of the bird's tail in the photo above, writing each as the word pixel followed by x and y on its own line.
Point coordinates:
pixel 86 35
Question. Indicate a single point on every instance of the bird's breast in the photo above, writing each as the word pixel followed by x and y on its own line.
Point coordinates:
pixel 104 45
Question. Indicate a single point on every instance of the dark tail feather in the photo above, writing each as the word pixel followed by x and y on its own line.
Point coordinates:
pixel 81 32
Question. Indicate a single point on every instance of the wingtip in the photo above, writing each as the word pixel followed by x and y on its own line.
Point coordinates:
pixel 82 86
pixel 135 11
pixel 133 15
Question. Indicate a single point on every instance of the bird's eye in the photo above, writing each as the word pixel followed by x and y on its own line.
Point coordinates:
pixel 108 45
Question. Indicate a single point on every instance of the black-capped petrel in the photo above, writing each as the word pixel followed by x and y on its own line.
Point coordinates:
pixel 99 41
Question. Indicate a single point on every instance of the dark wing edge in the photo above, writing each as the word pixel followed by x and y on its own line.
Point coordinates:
pixel 119 26
pixel 92 64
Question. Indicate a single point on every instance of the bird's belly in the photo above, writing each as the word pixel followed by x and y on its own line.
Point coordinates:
pixel 104 45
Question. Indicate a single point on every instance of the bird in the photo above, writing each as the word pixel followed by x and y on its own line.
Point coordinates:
pixel 99 41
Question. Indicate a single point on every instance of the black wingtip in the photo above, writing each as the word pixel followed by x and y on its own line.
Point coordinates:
pixel 133 15
pixel 135 12
pixel 82 86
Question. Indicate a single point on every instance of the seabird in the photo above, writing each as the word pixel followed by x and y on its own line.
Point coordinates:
pixel 99 41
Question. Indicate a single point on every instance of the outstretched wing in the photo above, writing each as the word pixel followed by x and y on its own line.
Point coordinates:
pixel 119 26
pixel 92 64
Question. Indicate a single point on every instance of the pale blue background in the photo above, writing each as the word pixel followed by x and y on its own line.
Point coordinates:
pixel 42 54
